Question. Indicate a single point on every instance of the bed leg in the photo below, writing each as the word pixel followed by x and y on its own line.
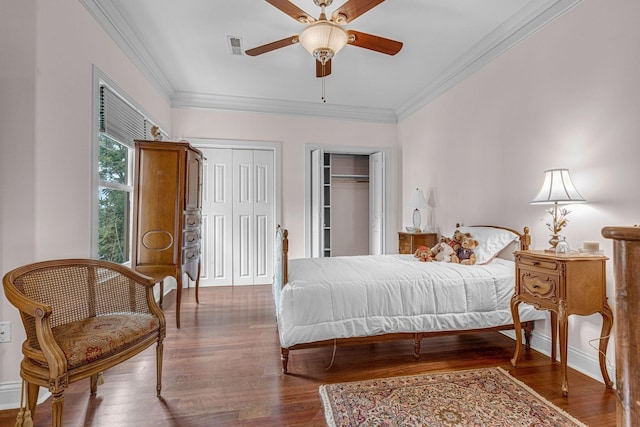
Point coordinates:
pixel 528 328
pixel 416 346
pixel 284 356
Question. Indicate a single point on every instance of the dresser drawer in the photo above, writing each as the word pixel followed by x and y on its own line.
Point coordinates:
pixel 190 254
pixel 190 237
pixel 192 219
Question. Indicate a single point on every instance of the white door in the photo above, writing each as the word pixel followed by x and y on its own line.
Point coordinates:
pixel 238 216
pixel 376 203
pixel 217 218
pixel 263 209
pixel 243 219
pixel 317 203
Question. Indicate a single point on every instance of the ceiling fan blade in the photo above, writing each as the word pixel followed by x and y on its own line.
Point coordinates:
pixel 292 10
pixel 272 46
pixel 376 43
pixel 323 72
pixel 352 9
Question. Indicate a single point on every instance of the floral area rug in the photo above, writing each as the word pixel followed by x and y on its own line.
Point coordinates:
pixel 479 397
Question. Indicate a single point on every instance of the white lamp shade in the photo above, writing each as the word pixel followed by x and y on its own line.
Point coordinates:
pixel 557 187
pixel 323 35
pixel 417 200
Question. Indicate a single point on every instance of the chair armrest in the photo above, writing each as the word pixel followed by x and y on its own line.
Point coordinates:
pixel 24 303
pixel 40 313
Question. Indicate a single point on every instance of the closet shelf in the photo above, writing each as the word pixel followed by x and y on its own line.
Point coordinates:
pixel 349 176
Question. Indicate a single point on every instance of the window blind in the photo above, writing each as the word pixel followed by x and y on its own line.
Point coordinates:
pixel 118 119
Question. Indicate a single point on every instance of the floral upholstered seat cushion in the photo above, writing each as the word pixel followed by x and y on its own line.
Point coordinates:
pixel 97 337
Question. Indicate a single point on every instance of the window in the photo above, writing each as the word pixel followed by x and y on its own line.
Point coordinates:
pixel 119 125
pixel 115 195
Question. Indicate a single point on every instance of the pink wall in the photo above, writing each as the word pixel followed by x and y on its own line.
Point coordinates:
pixel 565 97
pixel 47 136
pixel 293 133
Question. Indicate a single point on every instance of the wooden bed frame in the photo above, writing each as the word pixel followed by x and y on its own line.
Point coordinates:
pixel 525 242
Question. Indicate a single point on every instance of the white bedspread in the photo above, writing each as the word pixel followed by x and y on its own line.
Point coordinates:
pixel 354 296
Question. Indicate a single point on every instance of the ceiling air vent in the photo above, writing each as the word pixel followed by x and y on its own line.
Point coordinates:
pixel 235 45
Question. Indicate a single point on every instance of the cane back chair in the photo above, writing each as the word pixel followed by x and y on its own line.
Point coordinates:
pixel 81 317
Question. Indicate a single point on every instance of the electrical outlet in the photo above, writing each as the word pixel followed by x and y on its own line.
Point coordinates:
pixel 5 331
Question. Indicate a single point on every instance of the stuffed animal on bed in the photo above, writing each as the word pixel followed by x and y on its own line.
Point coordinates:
pixel 424 254
pixel 442 252
pixel 465 255
pixel 455 241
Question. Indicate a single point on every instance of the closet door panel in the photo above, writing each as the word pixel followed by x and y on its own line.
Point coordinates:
pixel 244 250
pixel 317 202
pixel 376 203
pixel 263 208
pixel 217 209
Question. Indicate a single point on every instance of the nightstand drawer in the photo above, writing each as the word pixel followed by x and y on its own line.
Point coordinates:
pixel 542 264
pixel 541 287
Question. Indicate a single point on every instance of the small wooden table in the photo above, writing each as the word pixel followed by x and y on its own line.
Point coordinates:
pixel 564 284
pixel 408 243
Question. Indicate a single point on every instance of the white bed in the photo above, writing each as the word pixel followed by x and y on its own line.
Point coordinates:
pixel 321 300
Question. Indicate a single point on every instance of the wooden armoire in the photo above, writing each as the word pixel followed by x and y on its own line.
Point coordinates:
pixel 167 212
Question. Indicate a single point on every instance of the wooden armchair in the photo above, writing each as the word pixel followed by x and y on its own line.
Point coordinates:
pixel 81 317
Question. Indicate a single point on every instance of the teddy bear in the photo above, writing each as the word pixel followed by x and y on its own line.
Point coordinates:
pixel 442 252
pixel 465 254
pixel 424 254
pixel 456 240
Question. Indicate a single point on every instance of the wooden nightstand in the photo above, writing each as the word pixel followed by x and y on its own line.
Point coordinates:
pixel 564 284
pixel 408 243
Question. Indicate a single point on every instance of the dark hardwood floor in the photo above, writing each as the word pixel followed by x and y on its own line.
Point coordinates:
pixel 222 368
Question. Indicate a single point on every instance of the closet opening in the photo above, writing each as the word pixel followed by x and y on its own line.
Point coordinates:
pixel 346 203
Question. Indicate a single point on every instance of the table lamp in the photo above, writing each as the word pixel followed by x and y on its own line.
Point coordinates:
pixel 557 188
pixel 417 202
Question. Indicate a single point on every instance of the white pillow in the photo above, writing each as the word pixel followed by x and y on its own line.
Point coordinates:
pixel 491 241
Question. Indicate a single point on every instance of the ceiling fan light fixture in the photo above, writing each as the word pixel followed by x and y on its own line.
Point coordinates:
pixel 322 36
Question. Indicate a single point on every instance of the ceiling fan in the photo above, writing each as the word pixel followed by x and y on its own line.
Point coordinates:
pixel 324 38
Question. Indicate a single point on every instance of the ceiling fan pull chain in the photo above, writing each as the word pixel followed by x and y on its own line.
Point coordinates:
pixel 324 76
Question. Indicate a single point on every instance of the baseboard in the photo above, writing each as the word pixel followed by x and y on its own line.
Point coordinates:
pixel 579 360
pixel 10 395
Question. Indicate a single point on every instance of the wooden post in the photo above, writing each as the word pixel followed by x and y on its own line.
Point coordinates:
pixel 626 257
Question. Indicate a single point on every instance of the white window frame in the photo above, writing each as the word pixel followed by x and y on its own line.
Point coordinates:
pixel 100 79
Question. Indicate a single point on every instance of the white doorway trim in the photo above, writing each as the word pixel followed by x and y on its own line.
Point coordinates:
pixel 226 268
pixel 339 149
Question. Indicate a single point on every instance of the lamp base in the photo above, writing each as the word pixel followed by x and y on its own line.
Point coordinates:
pixel 416 219
pixel 553 241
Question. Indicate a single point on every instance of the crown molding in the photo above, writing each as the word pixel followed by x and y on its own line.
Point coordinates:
pixel 116 26
pixel 523 24
pixel 282 107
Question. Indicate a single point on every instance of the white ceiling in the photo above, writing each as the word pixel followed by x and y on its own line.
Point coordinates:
pixel 182 47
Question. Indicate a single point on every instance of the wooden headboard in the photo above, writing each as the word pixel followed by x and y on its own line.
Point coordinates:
pixel 524 237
